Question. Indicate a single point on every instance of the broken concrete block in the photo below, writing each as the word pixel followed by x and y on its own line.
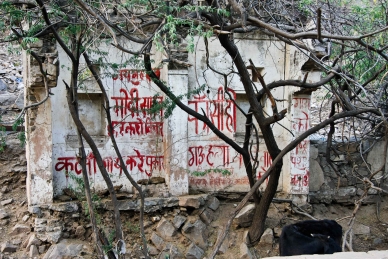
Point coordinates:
pixel 33 240
pixel 244 217
pixel 194 252
pixel 189 201
pixel 244 252
pixel 20 228
pixel 6 202
pixel 157 241
pixel 171 251
pixel 25 218
pixel 80 232
pixel 178 221
pixel 197 233
pixel 207 216
pixel 267 237
pixel 3 214
pixel 33 251
pixel 360 229
pixel 213 203
pixel 8 248
pixel 166 229
pixel 152 250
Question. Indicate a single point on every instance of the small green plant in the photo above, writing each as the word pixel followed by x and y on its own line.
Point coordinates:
pixel 3 138
pixel 109 246
pixel 133 228
pixel 223 172
pixel 21 135
pixel 78 188
pixel 79 191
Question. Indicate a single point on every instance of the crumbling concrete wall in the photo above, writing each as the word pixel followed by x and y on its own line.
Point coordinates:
pixel 180 149
pixel 343 182
pixel 38 120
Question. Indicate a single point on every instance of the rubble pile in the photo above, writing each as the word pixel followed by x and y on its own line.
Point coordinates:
pixel 11 84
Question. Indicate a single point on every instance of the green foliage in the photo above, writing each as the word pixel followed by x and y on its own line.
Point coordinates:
pixel 3 138
pixel 133 228
pixel 21 134
pixel 223 172
pixel 109 246
pixel 79 191
pixel 79 188
pixel 168 105
pixel 303 6
pixel 14 50
pixel 14 14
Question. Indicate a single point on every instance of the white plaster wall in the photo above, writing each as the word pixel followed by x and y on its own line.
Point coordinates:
pixel 206 152
pixel 139 136
pixel 182 149
pixel 178 178
pixel 39 152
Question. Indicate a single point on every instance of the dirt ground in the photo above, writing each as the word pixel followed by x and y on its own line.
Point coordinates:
pixel 370 232
pixel 370 226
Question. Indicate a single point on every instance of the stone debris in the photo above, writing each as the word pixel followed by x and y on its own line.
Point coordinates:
pixel 33 241
pixel 267 237
pixel 244 252
pixel 33 251
pixel 166 229
pixel 178 221
pixel 192 201
pixel 224 246
pixel 155 219
pixel 152 250
pixel 207 216
pixel 244 217
pixel 152 180
pixel 197 233
pixel 6 202
pixel 194 252
pixel 3 214
pixel 157 241
pixel 213 203
pixel 4 189
pixel 67 248
pixel 8 248
pixel 20 229
pixel 80 232
pixel 171 251
pixel 25 218
pixel 360 229
pixel 48 230
pixel 151 204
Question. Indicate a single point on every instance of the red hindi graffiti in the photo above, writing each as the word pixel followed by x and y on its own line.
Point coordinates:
pixel 207 155
pixel 137 128
pixel 215 181
pixel 301 180
pixel 302 148
pixel 142 163
pixel 265 163
pixel 221 111
pixel 129 103
pixel 134 77
pixel 301 103
pixel 301 123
